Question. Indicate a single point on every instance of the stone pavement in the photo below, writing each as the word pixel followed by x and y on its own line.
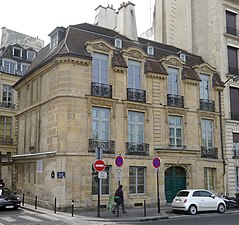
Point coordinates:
pixel 87 217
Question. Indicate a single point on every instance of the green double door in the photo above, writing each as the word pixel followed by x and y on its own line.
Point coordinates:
pixel 175 180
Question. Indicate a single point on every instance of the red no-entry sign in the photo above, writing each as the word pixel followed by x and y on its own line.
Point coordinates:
pixel 99 165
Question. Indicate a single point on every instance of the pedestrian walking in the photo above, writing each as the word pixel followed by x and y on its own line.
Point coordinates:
pixel 2 184
pixel 119 199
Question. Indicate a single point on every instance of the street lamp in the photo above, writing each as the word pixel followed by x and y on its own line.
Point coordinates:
pixel 234 78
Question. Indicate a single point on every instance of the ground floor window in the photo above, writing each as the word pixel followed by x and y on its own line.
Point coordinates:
pixel 104 183
pixel 137 180
pixel 209 178
pixel 237 179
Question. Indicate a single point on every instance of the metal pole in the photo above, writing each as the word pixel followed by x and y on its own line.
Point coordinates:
pixel 55 206
pixel 36 202
pixel 158 191
pixel 144 207
pixel 23 198
pixel 72 208
pixel 98 205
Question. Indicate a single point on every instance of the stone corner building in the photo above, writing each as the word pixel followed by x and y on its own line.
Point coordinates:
pixel 93 87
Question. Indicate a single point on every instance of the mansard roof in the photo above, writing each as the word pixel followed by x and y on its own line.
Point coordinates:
pixel 74 44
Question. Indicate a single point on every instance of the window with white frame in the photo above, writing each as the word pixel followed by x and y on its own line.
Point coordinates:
pixel 9 66
pixel 175 131
pixel 134 78
pixel 204 87
pixel 5 129
pixel 209 178
pixel 118 43
pixel 137 180
pixel 54 40
pixel 135 127
pixel 237 179
pixel 235 137
pixel 207 133
pixel 104 183
pixel 150 50
pixel 17 52
pixel 100 68
pixel 7 95
pixel 24 68
pixel 100 123
pixel 31 55
pixel 173 81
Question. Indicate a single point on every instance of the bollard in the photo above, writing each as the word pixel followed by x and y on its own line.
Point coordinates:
pixel 36 202
pixel 72 208
pixel 23 198
pixel 118 211
pixel 144 207
pixel 55 206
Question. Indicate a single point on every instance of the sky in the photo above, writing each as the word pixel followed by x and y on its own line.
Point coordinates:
pixel 39 18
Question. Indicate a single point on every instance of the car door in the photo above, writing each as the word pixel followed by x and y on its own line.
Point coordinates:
pixel 207 201
pixel 197 200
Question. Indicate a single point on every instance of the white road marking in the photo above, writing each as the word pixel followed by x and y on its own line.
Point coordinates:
pixel 48 217
pixel 8 219
pixel 30 218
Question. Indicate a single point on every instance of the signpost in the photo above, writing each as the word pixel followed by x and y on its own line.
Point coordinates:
pixel 119 160
pixel 99 165
pixel 156 165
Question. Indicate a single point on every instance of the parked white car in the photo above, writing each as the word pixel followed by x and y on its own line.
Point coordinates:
pixel 194 200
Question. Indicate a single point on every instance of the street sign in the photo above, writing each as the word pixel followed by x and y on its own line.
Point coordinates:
pixel 102 175
pixel 156 162
pixel 99 165
pixel 119 161
pixel 119 174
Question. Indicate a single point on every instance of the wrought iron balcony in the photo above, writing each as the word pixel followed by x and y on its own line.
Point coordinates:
pixel 233 71
pixel 207 105
pixel 6 140
pixel 133 148
pixel 101 90
pixel 232 30
pixel 211 153
pixel 7 105
pixel 175 100
pixel 137 95
pixel 234 115
pixel 107 147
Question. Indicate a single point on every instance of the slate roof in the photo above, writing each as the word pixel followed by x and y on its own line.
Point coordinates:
pixel 77 35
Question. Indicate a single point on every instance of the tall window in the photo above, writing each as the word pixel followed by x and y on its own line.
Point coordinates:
pixel 173 81
pixel 7 97
pixel 134 78
pixel 100 68
pixel 209 178
pixel 135 127
pixel 5 129
pixel 207 133
pixel 231 22
pixel 31 55
pixel 204 86
pixel 237 179
pixel 234 99
pixel 100 123
pixel 236 144
pixel 175 131
pixel 104 183
pixel 137 180
pixel 9 66
pixel 54 40
pixel 232 60
pixel 24 68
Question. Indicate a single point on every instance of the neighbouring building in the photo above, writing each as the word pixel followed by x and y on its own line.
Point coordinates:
pixel 210 29
pixel 17 52
pixel 93 88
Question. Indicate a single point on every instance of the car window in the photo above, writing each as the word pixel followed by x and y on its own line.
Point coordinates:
pixel 183 193
pixel 205 194
pixel 6 191
pixel 196 194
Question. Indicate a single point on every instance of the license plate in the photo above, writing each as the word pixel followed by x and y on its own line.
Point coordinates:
pixel 9 207
pixel 178 200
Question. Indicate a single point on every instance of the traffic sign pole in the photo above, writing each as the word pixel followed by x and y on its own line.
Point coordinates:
pixel 156 165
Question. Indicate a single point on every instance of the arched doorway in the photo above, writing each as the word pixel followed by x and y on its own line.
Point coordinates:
pixel 175 180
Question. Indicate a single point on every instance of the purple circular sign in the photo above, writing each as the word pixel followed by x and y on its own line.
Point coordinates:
pixel 156 162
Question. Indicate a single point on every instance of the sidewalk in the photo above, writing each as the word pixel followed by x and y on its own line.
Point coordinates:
pixel 133 214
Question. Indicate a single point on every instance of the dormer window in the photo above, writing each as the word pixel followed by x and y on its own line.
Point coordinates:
pixel 183 56
pixel 150 50
pixel 54 40
pixel 31 55
pixel 17 52
pixel 118 43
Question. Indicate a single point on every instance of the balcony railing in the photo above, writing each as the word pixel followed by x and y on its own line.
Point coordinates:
pixel 7 105
pixel 232 30
pixel 207 105
pixel 133 148
pixel 234 115
pixel 101 90
pixel 137 95
pixel 175 100
pixel 233 71
pixel 6 140
pixel 209 152
pixel 107 147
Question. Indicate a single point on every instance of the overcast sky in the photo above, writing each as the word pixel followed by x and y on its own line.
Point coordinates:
pixel 39 18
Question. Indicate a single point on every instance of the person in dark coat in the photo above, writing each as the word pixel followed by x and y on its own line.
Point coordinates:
pixel 2 184
pixel 119 199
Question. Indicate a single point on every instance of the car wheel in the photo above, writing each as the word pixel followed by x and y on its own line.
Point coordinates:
pixel 221 208
pixel 192 209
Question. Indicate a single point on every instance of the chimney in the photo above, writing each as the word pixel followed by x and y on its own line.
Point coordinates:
pixel 126 21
